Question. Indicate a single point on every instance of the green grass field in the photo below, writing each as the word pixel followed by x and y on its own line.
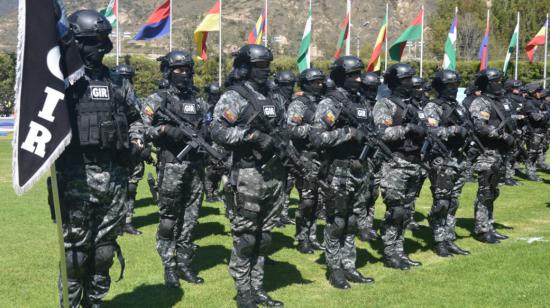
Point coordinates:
pixel 514 273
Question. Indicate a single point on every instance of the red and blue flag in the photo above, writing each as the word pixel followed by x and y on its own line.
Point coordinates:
pixel 255 36
pixel 157 25
pixel 484 49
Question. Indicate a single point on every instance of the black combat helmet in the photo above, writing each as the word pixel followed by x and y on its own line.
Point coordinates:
pixel 489 80
pixel 251 53
pixel 179 58
pixel 89 23
pixel 285 77
pixel 312 80
pixel 417 81
pixel 511 84
pixel 446 82
pixel 330 85
pixel 212 88
pixel 252 62
pixel 125 70
pixel 370 79
pixel 397 72
pixel 343 69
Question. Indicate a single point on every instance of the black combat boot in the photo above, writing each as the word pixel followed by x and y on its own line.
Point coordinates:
pixel 394 261
pixel 285 220
pixel 316 245
pixel 171 278
pixel 130 229
pixel 487 237
pixel 405 259
pixel 413 226
pixel 262 298
pixel 511 182
pixel 189 275
pixel 440 249
pixel 453 248
pixel 337 279
pixel 533 177
pixel 245 299
pixel 355 276
pixel 499 236
pixel 305 247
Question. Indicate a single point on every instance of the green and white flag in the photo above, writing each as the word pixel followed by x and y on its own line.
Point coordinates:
pixel 304 54
pixel 449 58
pixel 110 13
pixel 511 48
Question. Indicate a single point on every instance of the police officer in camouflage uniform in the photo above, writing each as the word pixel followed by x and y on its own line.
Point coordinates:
pixel 257 174
pixel 446 120
pixel 300 115
pixel 400 128
pixel 517 102
pixel 284 86
pixel 489 115
pixel 214 172
pixel 336 131
pixel 538 119
pixel 365 223
pixel 180 185
pixel 93 170
pixel 127 72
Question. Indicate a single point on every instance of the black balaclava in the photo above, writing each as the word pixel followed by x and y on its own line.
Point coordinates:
pixel 449 92
pixel 404 88
pixel 92 50
pixel 183 82
pixel 259 75
pixel 494 87
pixel 351 83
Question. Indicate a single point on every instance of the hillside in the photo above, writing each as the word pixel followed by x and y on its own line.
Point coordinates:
pixel 286 22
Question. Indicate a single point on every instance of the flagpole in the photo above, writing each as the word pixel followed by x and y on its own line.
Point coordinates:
pixel 517 51
pixel 265 36
pixel 422 41
pixel 308 56
pixel 545 51
pixel 171 19
pixel 220 47
pixel 117 33
pixel 348 41
pixel 386 39
pixel 60 238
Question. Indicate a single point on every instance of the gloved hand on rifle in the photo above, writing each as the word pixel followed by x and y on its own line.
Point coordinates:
pixel 415 130
pixel 173 133
pixel 508 139
pixel 458 131
pixel 356 134
pixel 261 141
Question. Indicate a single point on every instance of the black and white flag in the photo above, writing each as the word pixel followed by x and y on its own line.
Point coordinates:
pixel 47 62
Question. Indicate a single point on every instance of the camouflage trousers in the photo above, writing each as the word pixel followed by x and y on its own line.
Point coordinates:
pixel 535 150
pixel 306 216
pixel 490 169
pixel 213 176
pixel 446 184
pixel 422 179
pixel 399 187
pixel 180 198
pixel 136 174
pixel 348 193
pixel 93 200
pixel 290 181
pixel 257 201
pixel 365 219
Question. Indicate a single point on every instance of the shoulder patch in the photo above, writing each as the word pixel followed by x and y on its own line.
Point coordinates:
pixel 329 118
pixel 433 122
pixel 484 115
pixel 148 111
pixel 230 116
pixel 296 119
pixel 388 122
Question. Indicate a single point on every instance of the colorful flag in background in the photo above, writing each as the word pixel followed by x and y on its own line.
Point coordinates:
pixel 484 49
pixel 343 37
pixel 255 36
pixel 304 54
pixel 110 12
pixel 157 25
pixel 412 33
pixel 211 22
pixel 511 48
pixel 374 63
pixel 449 58
pixel 538 39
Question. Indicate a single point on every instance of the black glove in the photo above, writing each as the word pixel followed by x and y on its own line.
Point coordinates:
pixel 415 130
pixel 508 139
pixel 458 131
pixel 174 133
pixel 262 141
pixel 357 135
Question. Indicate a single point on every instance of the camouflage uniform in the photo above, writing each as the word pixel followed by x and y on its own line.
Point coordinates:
pixel 300 115
pixel 536 135
pixel 257 183
pixel 489 165
pixel 345 174
pixel 93 185
pixel 400 175
pixel 180 185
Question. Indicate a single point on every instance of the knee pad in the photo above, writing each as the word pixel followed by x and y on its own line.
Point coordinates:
pixel 244 245
pixel 103 259
pixel 265 242
pixel 76 263
pixel 336 228
pixel 441 206
pixel 166 228
pixel 307 207
pixel 398 214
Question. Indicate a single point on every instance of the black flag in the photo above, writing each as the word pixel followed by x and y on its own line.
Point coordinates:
pixel 47 61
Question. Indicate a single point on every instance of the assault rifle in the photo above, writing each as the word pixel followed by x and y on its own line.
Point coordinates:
pixel 195 141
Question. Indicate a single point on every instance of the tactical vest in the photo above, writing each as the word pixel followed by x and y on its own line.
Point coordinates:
pixel 404 114
pixel 453 115
pixel 358 115
pixel 497 115
pixel 189 111
pixel 101 120
pixel 257 107
pixel 309 115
